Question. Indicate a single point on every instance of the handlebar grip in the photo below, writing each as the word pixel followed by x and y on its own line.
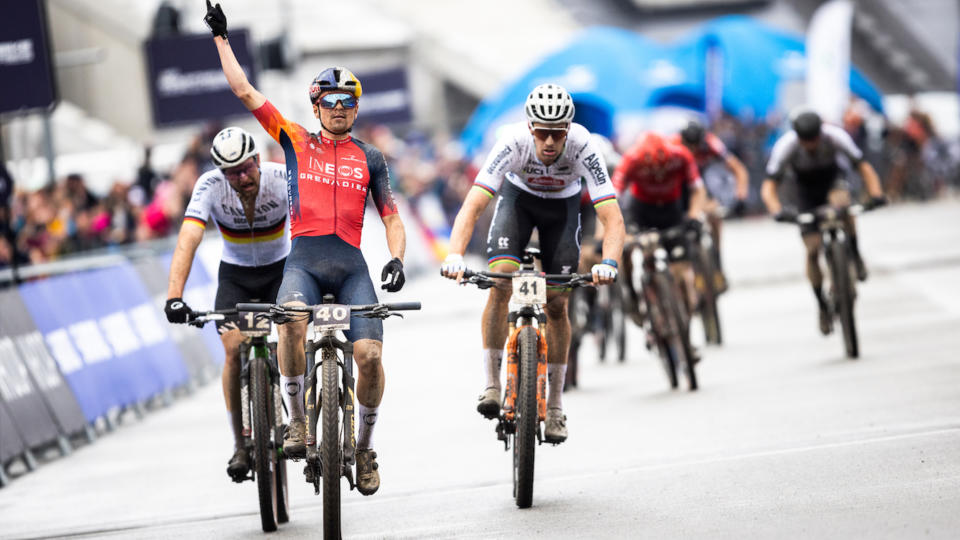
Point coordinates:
pixel 403 306
pixel 255 307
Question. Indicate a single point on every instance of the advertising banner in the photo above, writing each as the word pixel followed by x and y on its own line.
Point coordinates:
pixel 189 340
pixel 11 445
pixel 26 67
pixel 386 97
pixel 92 323
pixel 186 81
pixel 21 341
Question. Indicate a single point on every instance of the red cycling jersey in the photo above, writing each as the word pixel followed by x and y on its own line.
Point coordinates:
pixel 327 180
pixel 658 182
pixel 710 149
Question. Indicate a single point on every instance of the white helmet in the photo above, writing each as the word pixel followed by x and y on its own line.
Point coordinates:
pixel 231 147
pixel 549 104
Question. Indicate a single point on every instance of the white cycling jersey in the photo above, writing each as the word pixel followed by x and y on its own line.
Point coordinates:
pixel 788 153
pixel 267 240
pixel 514 157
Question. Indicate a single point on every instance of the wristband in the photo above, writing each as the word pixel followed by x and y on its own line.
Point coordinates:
pixel 609 262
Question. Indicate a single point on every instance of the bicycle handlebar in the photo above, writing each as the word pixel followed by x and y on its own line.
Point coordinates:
pixel 481 278
pixel 267 308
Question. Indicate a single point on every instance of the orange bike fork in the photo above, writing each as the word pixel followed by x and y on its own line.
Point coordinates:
pixel 513 371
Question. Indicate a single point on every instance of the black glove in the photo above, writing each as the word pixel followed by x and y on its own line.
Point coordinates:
pixel 693 225
pixel 392 276
pixel 177 311
pixel 739 208
pixel 786 215
pixel 216 20
pixel 875 202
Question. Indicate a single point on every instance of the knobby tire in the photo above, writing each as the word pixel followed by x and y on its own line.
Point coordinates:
pixel 843 297
pixel 709 313
pixel 264 455
pixel 331 457
pixel 527 419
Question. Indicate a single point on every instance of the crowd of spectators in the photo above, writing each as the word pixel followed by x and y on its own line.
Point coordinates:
pixel 429 172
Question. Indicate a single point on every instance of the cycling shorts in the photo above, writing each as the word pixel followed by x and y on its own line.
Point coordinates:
pixel 662 217
pixel 245 284
pixel 557 222
pixel 319 265
pixel 814 191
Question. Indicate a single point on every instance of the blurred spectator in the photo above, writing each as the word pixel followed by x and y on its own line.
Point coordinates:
pixel 147 178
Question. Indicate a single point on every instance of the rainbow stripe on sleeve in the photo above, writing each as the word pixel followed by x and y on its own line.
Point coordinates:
pixel 606 199
pixel 486 190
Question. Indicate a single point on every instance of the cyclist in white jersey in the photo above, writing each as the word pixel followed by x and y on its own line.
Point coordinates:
pixel 535 171
pixel 248 202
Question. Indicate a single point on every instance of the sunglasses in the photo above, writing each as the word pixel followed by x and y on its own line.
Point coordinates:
pixel 330 101
pixel 545 133
pixel 233 173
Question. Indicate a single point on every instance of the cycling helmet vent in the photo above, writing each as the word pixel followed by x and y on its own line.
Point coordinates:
pixel 549 104
pixel 335 78
pixel 231 147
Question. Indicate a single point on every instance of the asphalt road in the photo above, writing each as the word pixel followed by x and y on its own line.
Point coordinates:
pixel 785 439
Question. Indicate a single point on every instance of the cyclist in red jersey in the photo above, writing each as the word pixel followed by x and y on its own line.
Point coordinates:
pixel 329 175
pixel 707 148
pixel 654 173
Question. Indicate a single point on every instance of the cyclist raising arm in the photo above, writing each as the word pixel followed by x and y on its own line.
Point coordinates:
pixel 247 201
pixel 329 175
pixel 542 163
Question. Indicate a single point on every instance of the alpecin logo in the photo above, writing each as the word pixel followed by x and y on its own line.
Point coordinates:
pixel 592 163
pixel 500 157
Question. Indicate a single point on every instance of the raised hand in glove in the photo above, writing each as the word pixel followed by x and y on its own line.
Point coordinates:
pixel 216 20
pixel 392 275
pixel 177 311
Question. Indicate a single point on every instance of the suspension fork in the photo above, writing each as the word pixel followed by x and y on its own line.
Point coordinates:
pixel 244 353
pixel 348 404
pixel 310 398
pixel 520 322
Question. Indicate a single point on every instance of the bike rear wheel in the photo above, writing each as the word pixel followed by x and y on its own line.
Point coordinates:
pixel 669 361
pixel 679 335
pixel 331 457
pixel 527 419
pixel 264 454
pixel 843 297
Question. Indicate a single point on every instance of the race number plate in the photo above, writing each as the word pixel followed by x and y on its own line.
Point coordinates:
pixel 253 324
pixel 332 317
pixel 530 289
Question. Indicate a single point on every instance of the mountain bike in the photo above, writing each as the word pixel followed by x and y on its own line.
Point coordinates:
pixel 598 312
pixel 708 280
pixel 333 406
pixel 525 397
pixel 843 275
pixel 261 411
pixel 665 319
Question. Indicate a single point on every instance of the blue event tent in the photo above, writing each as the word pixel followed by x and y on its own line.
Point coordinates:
pixel 614 74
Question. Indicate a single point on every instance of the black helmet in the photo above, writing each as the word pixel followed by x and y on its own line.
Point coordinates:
pixel 693 134
pixel 807 125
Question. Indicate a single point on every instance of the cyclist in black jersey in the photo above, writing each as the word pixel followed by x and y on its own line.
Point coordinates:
pixel 247 201
pixel 810 151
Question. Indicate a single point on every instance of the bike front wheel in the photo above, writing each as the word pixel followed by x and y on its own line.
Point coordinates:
pixel 527 418
pixel 843 297
pixel 264 454
pixel 331 456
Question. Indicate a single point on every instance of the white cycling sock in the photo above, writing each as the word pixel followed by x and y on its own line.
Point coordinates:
pixel 556 373
pixel 492 358
pixel 367 418
pixel 293 395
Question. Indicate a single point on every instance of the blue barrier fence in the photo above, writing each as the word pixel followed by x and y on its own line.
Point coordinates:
pixel 81 346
